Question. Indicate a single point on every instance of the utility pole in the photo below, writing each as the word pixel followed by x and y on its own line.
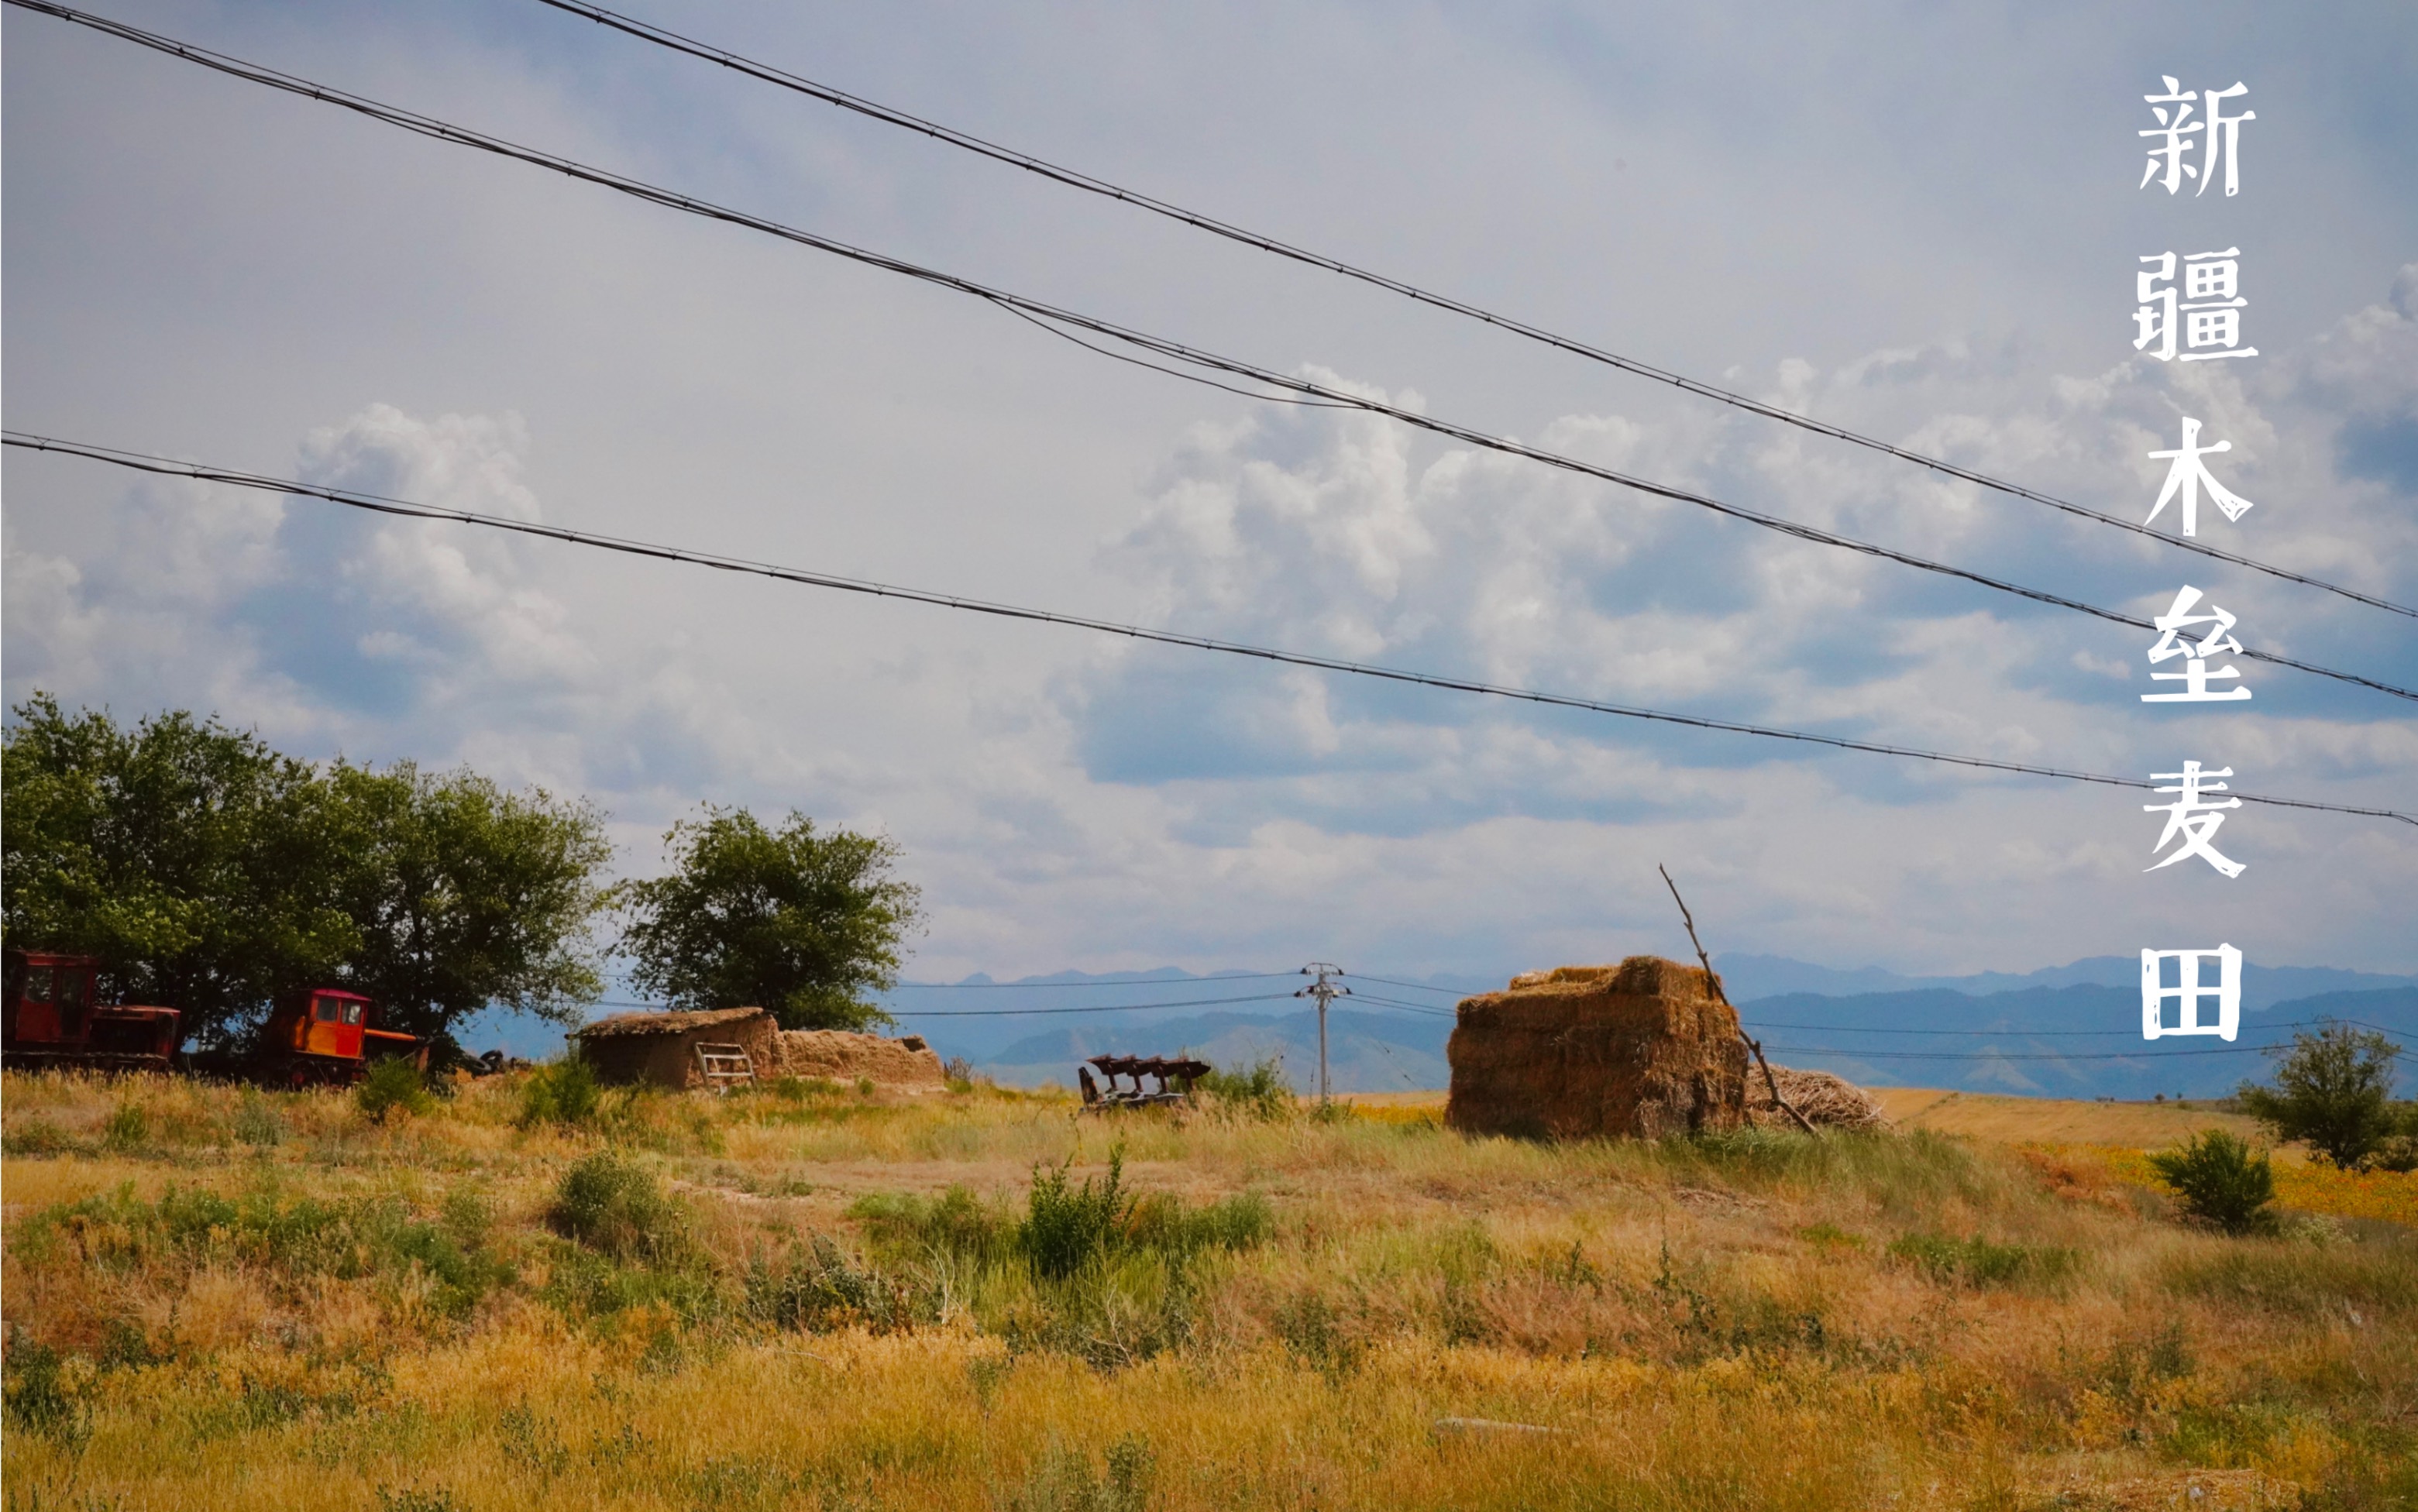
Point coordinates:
pixel 1325 991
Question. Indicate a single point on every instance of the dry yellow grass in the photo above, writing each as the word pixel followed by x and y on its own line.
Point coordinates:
pixel 2056 1120
pixel 1759 1321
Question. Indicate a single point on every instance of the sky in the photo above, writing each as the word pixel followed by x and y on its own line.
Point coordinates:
pixel 1919 223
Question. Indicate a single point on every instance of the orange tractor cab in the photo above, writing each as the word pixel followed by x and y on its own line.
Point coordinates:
pixel 48 1017
pixel 325 1035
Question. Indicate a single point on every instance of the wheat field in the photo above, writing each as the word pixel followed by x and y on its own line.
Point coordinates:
pixel 822 1296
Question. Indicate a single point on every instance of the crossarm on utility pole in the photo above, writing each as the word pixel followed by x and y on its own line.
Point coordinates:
pixel 1769 1080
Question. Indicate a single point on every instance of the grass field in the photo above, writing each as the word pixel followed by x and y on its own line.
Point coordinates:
pixel 807 1296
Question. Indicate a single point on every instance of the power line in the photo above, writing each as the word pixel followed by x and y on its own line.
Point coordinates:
pixel 1093 982
pixel 1954 1055
pixel 378 503
pixel 1074 178
pixel 1093 1008
pixel 1406 1007
pixel 903 1012
pixel 1176 351
pixel 1997 1034
pixel 1415 986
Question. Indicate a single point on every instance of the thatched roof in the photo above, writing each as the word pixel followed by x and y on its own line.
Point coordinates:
pixel 627 1025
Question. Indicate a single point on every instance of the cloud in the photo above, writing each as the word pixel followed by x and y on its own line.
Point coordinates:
pixel 1338 534
pixel 198 268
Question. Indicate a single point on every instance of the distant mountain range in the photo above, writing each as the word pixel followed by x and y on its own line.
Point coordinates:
pixel 2069 1030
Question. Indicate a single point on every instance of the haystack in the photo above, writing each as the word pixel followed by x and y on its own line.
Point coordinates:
pixel 1641 1048
pixel 839 1056
pixel 1827 1101
pixel 660 1049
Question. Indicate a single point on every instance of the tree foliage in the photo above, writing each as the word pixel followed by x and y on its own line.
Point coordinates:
pixel 462 895
pixel 2332 1092
pixel 801 921
pixel 188 856
pixel 209 873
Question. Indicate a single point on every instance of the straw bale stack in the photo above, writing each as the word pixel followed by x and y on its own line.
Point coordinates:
pixel 1827 1101
pixel 1642 1048
pixel 840 1056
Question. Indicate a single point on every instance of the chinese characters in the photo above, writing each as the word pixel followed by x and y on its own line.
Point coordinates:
pixel 2191 994
pixel 2189 309
pixel 2187 475
pixel 2218 135
pixel 2195 676
pixel 2208 305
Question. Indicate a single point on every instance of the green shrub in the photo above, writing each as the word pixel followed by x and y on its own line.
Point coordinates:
pixel 957 1225
pixel 35 1136
pixel 816 1287
pixel 1979 1262
pixel 1064 1225
pixel 128 1128
pixel 391 1083
pixel 38 1394
pixel 2220 1180
pixel 616 1206
pixel 1163 1224
pixel 2397 1152
pixel 565 1093
pixel 1260 1092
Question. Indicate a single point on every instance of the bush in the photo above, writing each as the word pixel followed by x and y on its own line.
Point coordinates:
pixel 38 1397
pixel 1162 1223
pixel 35 1136
pixel 2332 1092
pixel 394 1083
pixel 957 1225
pixel 565 1093
pixel 616 1206
pixel 816 1288
pixel 1064 1226
pixel 1260 1092
pixel 128 1128
pixel 2220 1180
pixel 2399 1154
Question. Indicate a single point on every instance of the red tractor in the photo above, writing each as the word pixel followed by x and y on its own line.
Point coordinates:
pixel 49 1018
pixel 324 1035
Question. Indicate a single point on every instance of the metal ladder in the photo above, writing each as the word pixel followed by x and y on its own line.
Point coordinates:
pixel 725 1066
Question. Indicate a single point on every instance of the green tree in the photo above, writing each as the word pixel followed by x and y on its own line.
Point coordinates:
pixel 462 895
pixel 188 856
pixel 2332 1092
pixel 208 873
pixel 804 921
